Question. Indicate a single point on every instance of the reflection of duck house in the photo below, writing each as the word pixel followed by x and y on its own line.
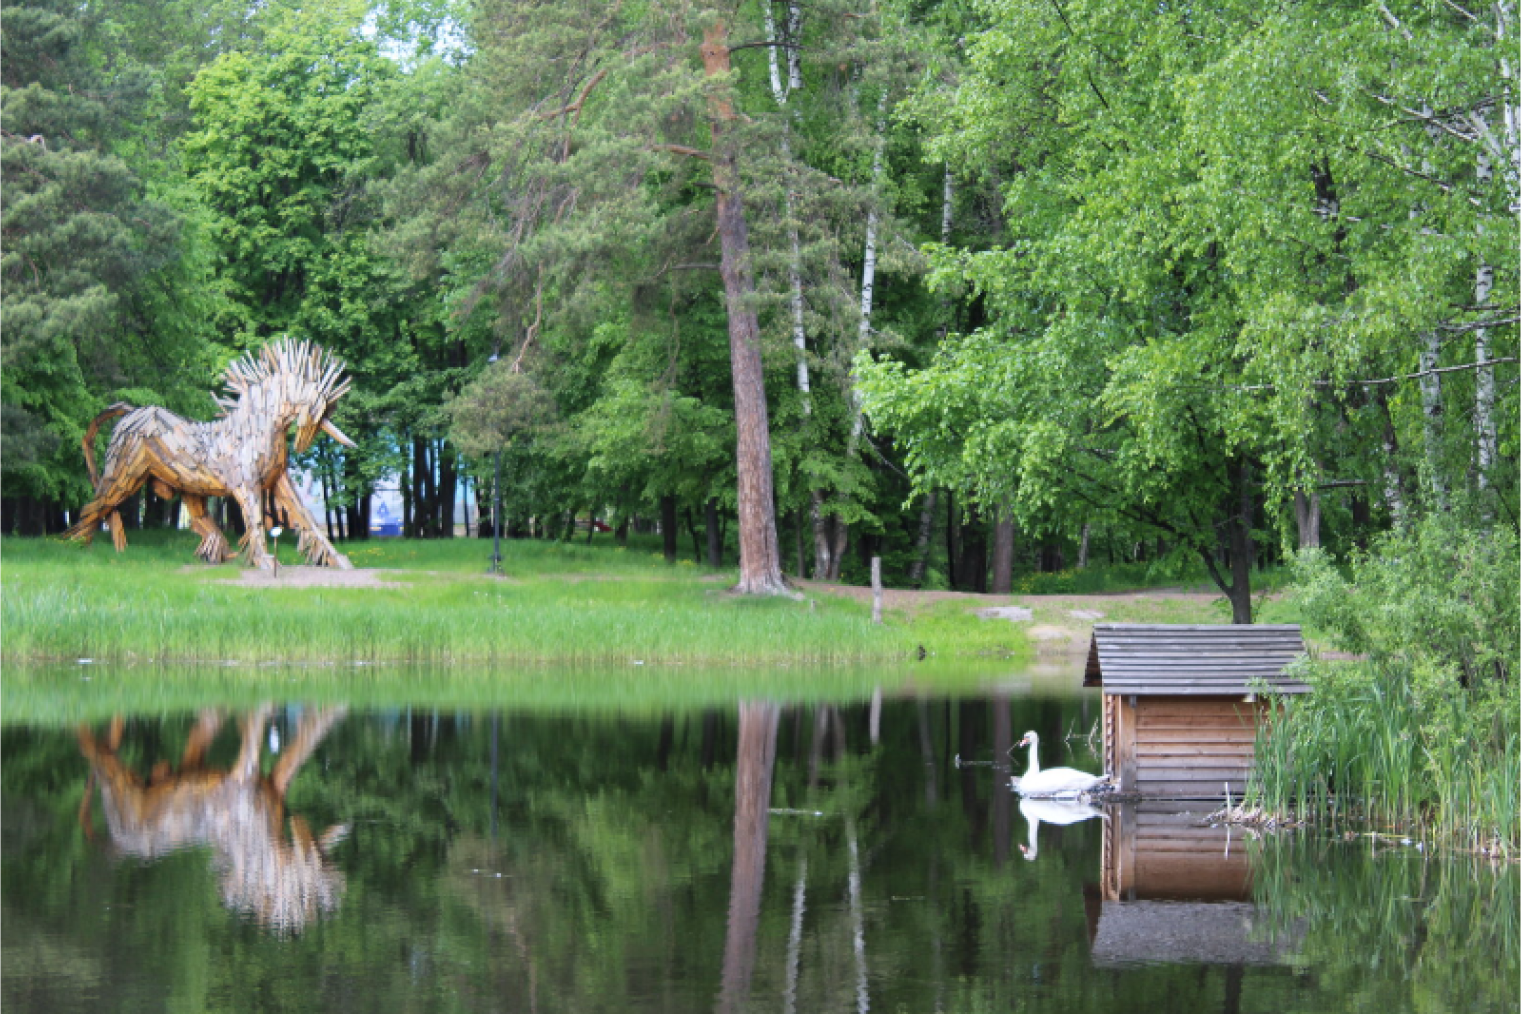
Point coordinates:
pixel 1174 889
pixel 1181 707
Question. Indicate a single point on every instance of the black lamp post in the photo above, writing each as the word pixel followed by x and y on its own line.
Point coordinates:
pixel 496 504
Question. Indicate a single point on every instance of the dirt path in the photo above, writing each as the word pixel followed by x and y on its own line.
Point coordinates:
pixel 312 577
pixel 1058 624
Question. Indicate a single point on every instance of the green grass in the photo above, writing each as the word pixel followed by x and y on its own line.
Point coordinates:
pixel 560 603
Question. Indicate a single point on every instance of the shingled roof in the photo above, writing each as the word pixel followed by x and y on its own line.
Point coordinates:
pixel 1177 659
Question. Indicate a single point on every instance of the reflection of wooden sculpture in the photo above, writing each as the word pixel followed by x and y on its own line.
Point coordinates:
pixel 242 455
pixel 239 813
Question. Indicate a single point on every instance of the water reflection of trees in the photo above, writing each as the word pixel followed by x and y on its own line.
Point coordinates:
pixel 594 866
pixel 1449 930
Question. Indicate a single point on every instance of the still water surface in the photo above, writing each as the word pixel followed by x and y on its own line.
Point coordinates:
pixel 752 855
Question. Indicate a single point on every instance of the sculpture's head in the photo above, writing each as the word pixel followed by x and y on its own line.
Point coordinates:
pixel 301 383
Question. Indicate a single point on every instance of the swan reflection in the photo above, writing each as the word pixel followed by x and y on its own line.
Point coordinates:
pixel 1051 811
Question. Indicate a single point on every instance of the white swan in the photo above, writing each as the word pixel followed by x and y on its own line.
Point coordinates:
pixel 1052 782
pixel 1052 811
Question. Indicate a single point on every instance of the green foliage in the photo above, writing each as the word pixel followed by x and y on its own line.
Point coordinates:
pixel 497 408
pixel 1437 601
pixel 106 284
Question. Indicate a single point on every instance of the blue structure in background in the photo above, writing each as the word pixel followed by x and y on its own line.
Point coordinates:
pixel 384 521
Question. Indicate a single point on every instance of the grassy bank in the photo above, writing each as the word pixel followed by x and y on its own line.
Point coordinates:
pixel 62 694
pixel 558 603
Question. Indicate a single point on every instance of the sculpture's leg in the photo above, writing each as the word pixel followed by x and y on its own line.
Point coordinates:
pixel 207 724
pixel 255 550
pixel 112 491
pixel 213 547
pixel 313 544
pixel 246 767
pixel 312 729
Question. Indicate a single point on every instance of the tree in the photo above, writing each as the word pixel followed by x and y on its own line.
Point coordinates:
pixel 106 293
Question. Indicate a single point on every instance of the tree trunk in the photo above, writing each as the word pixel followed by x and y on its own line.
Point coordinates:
pixel 823 536
pixel 952 540
pixel 692 531
pixel 1431 413
pixel 840 532
pixel 1003 552
pixel 1484 378
pixel 715 540
pixel 1394 492
pixel 868 271
pixel 760 566
pixel 752 806
pixel 668 527
pixel 448 488
pixel 922 540
pixel 1236 541
pixel 406 484
pixel 482 512
pixel 780 91
pixel 1240 591
pixel 423 492
pixel 620 534
pixel 1307 517
pixel 973 568
pixel 1082 548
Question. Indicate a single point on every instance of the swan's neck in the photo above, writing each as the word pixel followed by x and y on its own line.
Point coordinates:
pixel 1033 848
pixel 1034 759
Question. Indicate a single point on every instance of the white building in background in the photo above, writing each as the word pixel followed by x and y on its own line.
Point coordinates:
pixel 386 517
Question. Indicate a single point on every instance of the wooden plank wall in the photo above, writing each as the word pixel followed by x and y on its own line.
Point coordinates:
pixel 1189 749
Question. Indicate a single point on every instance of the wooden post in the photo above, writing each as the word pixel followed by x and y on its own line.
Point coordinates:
pixel 876 589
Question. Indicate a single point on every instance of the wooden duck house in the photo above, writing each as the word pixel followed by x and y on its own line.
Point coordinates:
pixel 1182 705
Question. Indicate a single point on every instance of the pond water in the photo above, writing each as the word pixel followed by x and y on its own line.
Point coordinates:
pixel 739 854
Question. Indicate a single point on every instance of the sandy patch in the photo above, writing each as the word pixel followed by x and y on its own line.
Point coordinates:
pixel 313 577
pixel 1014 614
pixel 1061 624
pixel 905 599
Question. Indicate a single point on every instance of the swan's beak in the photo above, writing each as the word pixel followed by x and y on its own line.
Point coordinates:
pixel 1023 741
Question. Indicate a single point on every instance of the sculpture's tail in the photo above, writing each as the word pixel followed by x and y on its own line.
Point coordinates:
pixel 121 408
pixel 91 516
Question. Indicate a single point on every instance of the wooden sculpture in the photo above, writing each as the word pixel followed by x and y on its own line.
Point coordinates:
pixel 238 812
pixel 243 454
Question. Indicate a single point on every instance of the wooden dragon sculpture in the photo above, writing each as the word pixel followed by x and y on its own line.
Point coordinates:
pixel 243 454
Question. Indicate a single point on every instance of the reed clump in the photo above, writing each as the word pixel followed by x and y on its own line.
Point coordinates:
pixel 1419 734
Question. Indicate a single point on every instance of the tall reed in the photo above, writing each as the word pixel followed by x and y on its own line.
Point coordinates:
pixel 1371 748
